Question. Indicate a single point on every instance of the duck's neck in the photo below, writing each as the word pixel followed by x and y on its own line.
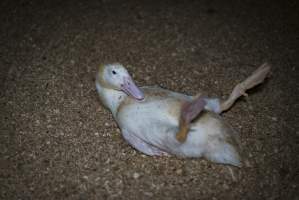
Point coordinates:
pixel 110 98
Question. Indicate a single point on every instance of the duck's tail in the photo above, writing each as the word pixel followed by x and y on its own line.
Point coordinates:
pixel 189 111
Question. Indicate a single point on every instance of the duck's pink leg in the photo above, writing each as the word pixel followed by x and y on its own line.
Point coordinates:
pixel 189 111
pixel 257 77
pixel 142 146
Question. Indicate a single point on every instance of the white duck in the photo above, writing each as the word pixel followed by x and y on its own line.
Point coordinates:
pixel 158 122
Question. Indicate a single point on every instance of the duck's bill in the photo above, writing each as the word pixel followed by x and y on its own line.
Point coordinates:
pixel 131 89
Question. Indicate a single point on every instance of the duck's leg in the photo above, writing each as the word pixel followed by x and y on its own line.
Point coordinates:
pixel 189 111
pixel 142 146
pixel 257 77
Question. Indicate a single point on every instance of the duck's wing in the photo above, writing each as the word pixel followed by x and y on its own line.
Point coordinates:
pixel 211 104
pixel 141 145
pixel 147 123
pixel 188 108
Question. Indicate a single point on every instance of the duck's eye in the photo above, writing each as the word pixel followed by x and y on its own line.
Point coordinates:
pixel 113 72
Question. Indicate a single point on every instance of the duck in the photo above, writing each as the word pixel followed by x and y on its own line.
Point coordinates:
pixel 160 122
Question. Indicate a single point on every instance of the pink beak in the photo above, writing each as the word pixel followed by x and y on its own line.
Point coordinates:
pixel 131 89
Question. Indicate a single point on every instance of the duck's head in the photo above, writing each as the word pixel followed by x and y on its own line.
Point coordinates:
pixel 116 77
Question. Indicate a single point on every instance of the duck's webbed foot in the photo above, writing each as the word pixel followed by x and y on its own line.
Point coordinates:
pixel 189 111
pixel 257 77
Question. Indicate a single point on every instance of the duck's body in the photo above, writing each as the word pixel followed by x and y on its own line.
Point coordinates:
pixel 151 127
pixel 151 124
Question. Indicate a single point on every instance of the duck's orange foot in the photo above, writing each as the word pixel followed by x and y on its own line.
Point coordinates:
pixel 257 77
pixel 181 136
pixel 190 110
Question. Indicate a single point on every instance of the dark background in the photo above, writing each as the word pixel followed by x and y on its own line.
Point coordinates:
pixel 58 142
